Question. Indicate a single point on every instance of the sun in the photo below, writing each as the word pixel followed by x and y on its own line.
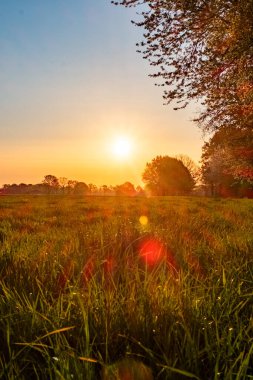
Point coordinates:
pixel 122 147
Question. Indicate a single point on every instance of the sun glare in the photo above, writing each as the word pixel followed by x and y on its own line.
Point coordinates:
pixel 122 147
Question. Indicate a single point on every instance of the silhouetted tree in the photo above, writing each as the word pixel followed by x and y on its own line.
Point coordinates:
pixel 167 176
pixel 190 165
pixel 127 188
pixel 63 184
pixel 10 188
pixel 92 188
pixel 105 190
pixel 71 185
pixel 140 191
pixel 6 186
pixel 81 188
pixel 51 182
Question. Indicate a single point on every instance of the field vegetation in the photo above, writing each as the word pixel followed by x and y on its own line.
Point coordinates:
pixel 86 281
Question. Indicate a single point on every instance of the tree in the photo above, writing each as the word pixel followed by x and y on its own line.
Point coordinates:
pixel 127 188
pixel 51 181
pixel 202 50
pixel 92 188
pixel 215 172
pixel 238 144
pixel 167 176
pixel 71 186
pixel 106 190
pixel 81 188
pixel 227 161
pixel 63 183
pixel 140 191
pixel 190 165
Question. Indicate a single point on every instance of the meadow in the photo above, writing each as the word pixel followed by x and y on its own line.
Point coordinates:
pixel 85 281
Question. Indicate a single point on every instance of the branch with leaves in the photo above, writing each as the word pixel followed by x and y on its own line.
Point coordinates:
pixel 201 50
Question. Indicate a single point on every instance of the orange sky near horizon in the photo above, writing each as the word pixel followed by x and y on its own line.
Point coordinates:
pixel 72 83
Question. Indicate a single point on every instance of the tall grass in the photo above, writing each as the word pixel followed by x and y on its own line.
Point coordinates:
pixel 83 283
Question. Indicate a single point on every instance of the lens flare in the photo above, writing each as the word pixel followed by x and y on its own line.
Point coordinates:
pixel 143 220
pixel 152 252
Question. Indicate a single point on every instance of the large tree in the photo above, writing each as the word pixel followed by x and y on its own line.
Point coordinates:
pixel 202 49
pixel 193 168
pixel 227 160
pixel 166 175
pixel 238 145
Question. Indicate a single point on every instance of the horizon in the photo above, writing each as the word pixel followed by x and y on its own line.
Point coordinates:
pixel 41 181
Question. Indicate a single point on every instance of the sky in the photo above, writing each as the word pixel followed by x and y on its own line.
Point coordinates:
pixel 72 84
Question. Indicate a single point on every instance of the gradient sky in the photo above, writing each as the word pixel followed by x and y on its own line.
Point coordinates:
pixel 71 82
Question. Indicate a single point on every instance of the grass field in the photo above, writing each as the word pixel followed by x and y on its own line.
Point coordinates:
pixel 87 281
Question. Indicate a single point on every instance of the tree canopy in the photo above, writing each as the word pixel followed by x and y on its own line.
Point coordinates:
pixel 166 175
pixel 202 49
pixel 227 160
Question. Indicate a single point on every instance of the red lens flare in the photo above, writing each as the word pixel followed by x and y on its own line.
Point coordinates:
pixel 152 252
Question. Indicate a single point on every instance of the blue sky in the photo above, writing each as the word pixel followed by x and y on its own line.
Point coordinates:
pixel 71 80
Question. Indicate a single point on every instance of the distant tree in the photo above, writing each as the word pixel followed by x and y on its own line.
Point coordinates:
pixel 105 190
pixel 167 176
pixel 81 188
pixel 38 188
pixel 51 181
pixel 127 188
pixel 202 50
pixel 92 188
pixel 140 191
pixel 63 183
pixel 10 188
pixel 23 188
pixel 71 185
pixel 6 186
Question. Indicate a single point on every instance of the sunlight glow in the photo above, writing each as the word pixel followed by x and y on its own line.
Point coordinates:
pixel 122 147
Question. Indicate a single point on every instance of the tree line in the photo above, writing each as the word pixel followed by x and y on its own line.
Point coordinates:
pixel 62 185
pixel 164 175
